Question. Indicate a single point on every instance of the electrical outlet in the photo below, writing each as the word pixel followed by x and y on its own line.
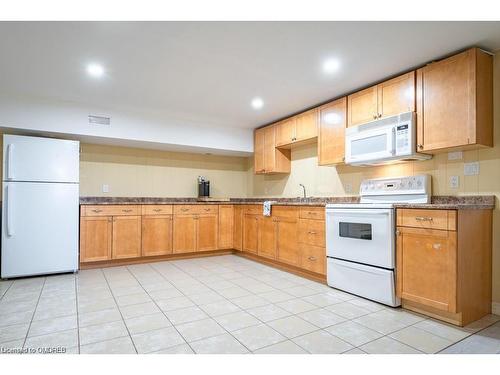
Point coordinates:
pixel 471 169
pixel 105 188
pixel 457 155
pixel 454 182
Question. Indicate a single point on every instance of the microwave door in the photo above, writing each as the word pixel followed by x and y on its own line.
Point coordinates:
pixel 371 145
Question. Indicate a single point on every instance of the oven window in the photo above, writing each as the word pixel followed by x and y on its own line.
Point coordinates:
pixel 358 231
pixel 369 145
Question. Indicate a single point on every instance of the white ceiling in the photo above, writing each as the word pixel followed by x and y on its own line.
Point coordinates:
pixel 210 71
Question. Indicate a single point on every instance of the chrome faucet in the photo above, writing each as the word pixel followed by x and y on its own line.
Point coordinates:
pixel 303 187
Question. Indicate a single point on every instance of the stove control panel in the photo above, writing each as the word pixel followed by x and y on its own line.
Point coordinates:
pixel 419 184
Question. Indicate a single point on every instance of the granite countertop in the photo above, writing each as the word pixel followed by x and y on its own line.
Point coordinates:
pixel 469 202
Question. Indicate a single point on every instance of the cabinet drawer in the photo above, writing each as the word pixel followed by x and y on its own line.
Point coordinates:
pixel 196 209
pixel 428 219
pixel 252 210
pixel 111 210
pixel 157 209
pixel 313 258
pixel 285 212
pixel 312 232
pixel 312 213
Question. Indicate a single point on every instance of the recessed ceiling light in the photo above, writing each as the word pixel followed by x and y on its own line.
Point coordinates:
pixel 331 66
pixel 257 103
pixel 95 70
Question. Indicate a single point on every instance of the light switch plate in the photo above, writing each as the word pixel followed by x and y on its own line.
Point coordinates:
pixel 471 169
pixel 454 182
pixel 105 188
pixel 457 155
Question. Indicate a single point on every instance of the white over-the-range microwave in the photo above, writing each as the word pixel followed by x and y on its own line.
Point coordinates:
pixel 383 141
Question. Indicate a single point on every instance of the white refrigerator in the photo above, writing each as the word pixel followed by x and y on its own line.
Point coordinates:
pixel 40 206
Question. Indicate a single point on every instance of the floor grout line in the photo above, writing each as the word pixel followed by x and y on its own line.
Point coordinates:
pixel 34 312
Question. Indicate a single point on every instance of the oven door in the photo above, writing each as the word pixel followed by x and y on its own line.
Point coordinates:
pixel 361 235
pixel 370 145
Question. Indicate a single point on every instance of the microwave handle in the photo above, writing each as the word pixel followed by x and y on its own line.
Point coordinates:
pixel 393 151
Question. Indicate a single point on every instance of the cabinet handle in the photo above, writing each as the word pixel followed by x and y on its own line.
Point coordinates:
pixel 422 218
pixel 312 213
pixel 156 209
pixel 374 117
pixel 312 258
pixel 208 209
pixel 184 209
pixel 127 210
pixel 311 232
pixel 96 210
pixel 398 233
pixel 379 115
pixel 420 147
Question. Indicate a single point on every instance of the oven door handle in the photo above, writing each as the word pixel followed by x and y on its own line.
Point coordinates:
pixel 357 212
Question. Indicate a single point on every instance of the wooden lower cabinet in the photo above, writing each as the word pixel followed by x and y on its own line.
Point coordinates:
pixel 267 237
pixel 427 260
pixel 238 228
pixel 126 237
pixel 95 238
pixel 250 233
pixel 184 234
pixel 207 232
pixel 288 241
pixel 445 273
pixel 313 258
pixel 226 226
pixel 156 235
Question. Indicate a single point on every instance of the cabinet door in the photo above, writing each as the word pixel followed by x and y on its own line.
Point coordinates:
pixel 331 140
pixel 207 232
pixel 95 238
pixel 269 149
pixel 238 228
pixel 427 267
pixel 184 234
pixel 156 235
pixel 397 95
pixel 267 237
pixel 126 237
pixel 362 106
pixel 285 132
pixel 288 241
pixel 448 103
pixel 250 233
pixel 259 151
pixel 306 125
pixel 313 258
pixel 226 226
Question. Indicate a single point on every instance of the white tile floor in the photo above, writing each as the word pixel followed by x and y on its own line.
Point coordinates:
pixel 223 304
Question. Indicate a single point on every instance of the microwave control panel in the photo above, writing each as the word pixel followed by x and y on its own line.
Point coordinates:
pixel 403 139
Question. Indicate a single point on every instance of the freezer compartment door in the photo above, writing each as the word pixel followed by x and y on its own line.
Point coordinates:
pixel 39 228
pixel 40 159
pixel 370 282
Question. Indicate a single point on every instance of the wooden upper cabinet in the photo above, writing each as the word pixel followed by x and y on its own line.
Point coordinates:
pixel 226 226
pixel 267 237
pixel 126 237
pixel 95 238
pixel 299 128
pixel 184 234
pixel 156 235
pixel 306 125
pixel 267 158
pixel 285 132
pixel 362 106
pixel 331 139
pixel 396 95
pixel 455 102
pixel 427 267
pixel 388 98
pixel 238 228
pixel 207 232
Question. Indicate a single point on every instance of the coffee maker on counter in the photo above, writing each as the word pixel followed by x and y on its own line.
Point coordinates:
pixel 203 187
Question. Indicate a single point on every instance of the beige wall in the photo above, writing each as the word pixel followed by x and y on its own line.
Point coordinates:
pixel 133 172
pixel 328 181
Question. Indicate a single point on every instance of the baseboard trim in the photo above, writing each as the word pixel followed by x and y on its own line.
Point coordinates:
pixel 495 308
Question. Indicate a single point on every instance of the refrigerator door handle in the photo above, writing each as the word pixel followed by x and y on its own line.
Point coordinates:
pixel 10 150
pixel 8 210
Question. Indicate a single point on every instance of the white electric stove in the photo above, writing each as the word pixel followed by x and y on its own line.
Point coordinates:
pixel 360 237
